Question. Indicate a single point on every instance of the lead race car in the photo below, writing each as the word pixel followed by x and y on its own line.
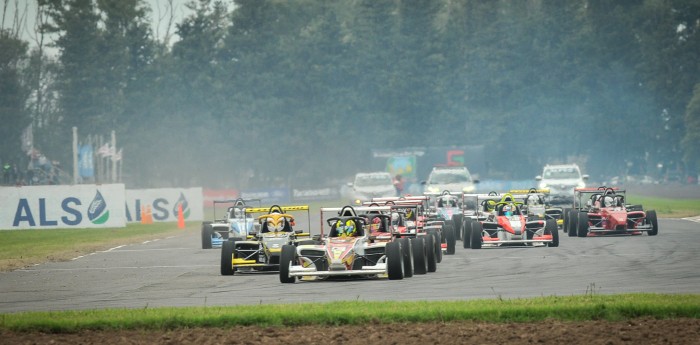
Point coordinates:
pixel 604 211
pixel 346 250
pixel 234 225
pixel 507 225
pixel 260 251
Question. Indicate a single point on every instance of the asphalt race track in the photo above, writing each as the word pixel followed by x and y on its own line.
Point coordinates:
pixel 176 272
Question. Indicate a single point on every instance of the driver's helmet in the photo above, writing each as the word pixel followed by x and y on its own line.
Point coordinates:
pixel 533 200
pixel 376 224
pixel 609 201
pixel 275 225
pixel 238 213
pixel 490 205
pixel 508 209
pixel 394 218
pixel 346 229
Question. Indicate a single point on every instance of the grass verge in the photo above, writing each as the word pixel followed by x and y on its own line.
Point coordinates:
pixel 21 248
pixel 570 308
pixel 668 208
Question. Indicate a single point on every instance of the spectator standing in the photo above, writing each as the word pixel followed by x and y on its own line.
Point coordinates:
pixel 398 184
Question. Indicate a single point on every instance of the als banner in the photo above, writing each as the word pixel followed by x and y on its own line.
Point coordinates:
pixel 163 204
pixel 55 207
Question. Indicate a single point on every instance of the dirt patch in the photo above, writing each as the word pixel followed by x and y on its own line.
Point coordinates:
pixel 636 331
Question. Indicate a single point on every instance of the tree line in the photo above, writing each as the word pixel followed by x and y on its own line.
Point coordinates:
pixel 254 93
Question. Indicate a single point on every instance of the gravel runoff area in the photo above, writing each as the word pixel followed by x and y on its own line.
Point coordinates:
pixel 635 331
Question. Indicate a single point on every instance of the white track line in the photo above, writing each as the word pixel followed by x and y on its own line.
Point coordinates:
pixel 111 268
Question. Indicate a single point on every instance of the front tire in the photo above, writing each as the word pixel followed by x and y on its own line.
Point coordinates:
pixel 419 256
pixel 651 218
pixel 467 233
pixel 226 258
pixel 430 252
pixel 451 240
pixel 551 227
pixel 582 224
pixel 476 239
pixel 394 261
pixel 406 253
pixel 287 258
pixel 458 224
pixel 573 222
pixel 206 235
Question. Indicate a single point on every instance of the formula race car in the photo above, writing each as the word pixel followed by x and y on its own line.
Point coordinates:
pixel 235 224
pixel 535 205
pixel 507 226
pixel 260 251
pixel 418 223
pixel 603 211
pixel 446 207
pixel 345 251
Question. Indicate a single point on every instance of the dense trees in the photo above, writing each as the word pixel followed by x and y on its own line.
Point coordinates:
pixel 256 92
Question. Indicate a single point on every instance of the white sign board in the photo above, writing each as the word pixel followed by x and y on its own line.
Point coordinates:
pixel 163 203
pixel 63 206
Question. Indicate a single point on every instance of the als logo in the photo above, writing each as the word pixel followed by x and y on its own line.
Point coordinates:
pixel 185 206
pixel 97 212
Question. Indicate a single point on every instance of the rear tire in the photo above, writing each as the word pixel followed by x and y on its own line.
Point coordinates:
pixel 394 261
pixel 227 257
pixel 582 224
pixel 430 252
pixel 206 235
pixel 565 218
pixel 287 257
pixel 551 227
pixel 419 257
pixel 406 253
pixel 476 235
pixel 651 218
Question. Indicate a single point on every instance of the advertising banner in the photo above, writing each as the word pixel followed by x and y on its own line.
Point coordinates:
pixel 57 207
pixel 163 203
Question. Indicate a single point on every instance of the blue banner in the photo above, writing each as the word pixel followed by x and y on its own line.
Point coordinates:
pixel 86 165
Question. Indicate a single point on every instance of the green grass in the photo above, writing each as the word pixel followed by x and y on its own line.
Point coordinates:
pixel 571 308
pixel 668 208
pixel 26 247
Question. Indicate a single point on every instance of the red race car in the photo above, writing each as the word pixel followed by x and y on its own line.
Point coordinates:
pixel 604 211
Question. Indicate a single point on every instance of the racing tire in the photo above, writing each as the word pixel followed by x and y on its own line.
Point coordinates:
pixel 477 230
pixel 289 253
pixel 226 257
pixel 430 253
pixel 438 246
pixel 419 257
pixel 451 240
pixel 406 253
pixel 206 235
pixel 565 218
pixel 573 222
pixel 458 224
pixel 394 261
pixel 651 218
pixel 467 233
pixel 551 227
pixel 582 224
